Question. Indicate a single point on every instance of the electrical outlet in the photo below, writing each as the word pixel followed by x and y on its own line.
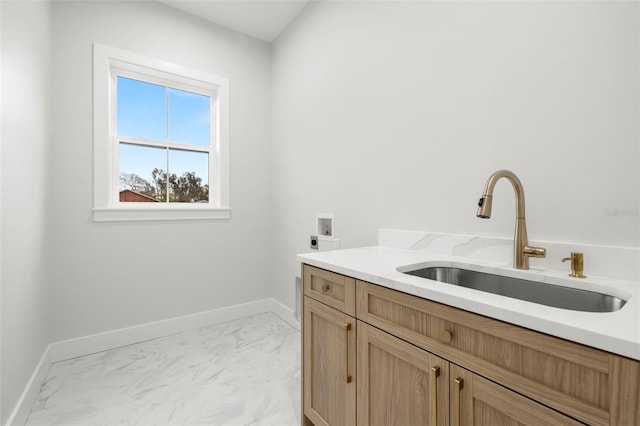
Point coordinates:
pixel 314 242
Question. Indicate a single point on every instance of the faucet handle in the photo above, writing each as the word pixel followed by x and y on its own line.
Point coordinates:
pixel 534 251
pixel 577 264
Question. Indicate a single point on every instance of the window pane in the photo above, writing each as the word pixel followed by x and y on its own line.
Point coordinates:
pixel 141 109
pixel 142 173
pixel 189 117
pixel 189 178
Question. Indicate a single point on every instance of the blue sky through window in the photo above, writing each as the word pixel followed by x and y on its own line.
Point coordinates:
pixel 159 113
pixel 189 117
pixel 141 109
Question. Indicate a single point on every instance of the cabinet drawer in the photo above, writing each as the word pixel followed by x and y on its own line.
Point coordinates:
pixel 330 288
pixel 580 381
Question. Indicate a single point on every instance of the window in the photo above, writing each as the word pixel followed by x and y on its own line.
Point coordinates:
pixel 160 140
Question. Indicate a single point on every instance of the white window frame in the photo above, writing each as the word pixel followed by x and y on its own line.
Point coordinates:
pixel 108 63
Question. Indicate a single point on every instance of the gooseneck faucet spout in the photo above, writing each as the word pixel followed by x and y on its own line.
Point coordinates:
pixel 521 249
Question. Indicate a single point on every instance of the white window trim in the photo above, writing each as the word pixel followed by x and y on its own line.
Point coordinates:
pixel 105 173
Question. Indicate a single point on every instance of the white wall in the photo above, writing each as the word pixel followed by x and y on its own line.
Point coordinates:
pixel 394 114
pixel 112 275
pixel 388 114
pixel 26 113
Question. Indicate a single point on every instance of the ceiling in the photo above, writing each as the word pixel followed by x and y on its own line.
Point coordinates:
pixel 262 19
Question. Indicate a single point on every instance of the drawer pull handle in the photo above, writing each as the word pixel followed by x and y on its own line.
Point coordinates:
pixel 456 401
pixel 446 336
pixel 347 328
pixel 325 288
pixel 435 372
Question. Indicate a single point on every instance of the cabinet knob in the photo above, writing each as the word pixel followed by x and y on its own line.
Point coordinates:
pixel 325 288
pixel 446 336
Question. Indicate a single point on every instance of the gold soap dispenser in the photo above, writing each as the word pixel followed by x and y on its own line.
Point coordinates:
pixel 577 264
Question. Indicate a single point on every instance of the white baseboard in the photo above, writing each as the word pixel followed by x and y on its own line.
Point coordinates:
pixel 285 313
pixel 22 409
pixel 99 342
pixel 80 346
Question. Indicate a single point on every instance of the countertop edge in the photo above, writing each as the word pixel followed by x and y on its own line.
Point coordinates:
pixel 568 325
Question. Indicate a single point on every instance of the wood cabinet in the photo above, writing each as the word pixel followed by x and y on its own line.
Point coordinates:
pixel 585 383
pixel 398 383
pixel 476 401
pixel 488 372
pixel 329 388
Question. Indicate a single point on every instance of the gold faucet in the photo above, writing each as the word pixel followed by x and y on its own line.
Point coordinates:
pixel 521 249
pixel 577 264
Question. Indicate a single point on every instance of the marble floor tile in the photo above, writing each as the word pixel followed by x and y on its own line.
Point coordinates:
pixel 243 372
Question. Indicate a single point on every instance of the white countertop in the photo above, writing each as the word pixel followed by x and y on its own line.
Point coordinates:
pixel 616 332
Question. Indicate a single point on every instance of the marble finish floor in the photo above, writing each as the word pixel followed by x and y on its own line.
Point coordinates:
pixel 243 372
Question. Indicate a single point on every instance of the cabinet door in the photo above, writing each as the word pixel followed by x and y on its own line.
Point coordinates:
pixel 329 365
pixel 398 383
pixel 476 401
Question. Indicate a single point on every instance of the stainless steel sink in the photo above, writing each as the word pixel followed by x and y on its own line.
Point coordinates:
pixel 531 291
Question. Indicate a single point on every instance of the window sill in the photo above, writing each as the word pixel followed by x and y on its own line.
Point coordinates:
pixel 129 214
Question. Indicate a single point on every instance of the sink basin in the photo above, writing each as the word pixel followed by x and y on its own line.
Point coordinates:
pixel 530 291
